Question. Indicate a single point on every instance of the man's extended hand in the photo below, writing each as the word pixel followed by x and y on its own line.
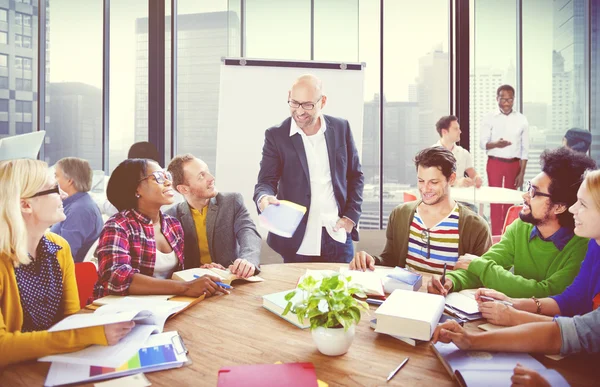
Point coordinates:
pixel 266 200
pixel 344 223
pixel 464 261
pixel 242 268
pixel 362 261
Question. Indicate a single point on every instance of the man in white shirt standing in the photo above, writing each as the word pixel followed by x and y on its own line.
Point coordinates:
pixel 505 138
pixel 311 159
pixel 449 131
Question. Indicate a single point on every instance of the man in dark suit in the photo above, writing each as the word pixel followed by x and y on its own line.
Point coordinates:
pixel 311 159
pixel 217 226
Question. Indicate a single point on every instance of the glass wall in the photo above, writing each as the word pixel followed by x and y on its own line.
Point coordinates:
pixel 73 82
pixel 554 81
pixel 595 79
pixel 291 21
pixel 206 32
pixel 128 77
pixel 18 68
pixel 416 89
pixel 336 29
pixel 493 34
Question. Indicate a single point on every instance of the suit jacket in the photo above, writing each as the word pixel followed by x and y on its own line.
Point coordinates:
pixel 284 173
pixel 230 231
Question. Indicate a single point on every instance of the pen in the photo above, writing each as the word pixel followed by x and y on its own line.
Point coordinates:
pixel 394 372
pixel 221 284
pixel 486 298
pixel 443 279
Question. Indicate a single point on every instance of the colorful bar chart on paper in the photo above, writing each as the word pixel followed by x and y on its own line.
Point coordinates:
pixel 146 357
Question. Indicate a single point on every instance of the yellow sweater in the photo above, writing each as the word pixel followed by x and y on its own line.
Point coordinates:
pixel 16 346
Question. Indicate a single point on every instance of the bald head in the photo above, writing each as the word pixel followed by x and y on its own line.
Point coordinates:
pixel 306 99
pixel 309 81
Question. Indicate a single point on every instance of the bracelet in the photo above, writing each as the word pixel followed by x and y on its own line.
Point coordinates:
pixel 538 304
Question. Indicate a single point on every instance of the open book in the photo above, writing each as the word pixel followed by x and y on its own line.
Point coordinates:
pixel 224 276
pixel 477 368
pixel 370 281
pixel 276 303
pixel 158 352
pixel 463 305
pixel 149 316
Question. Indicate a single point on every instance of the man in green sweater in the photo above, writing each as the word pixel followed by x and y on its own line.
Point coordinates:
pixel 541 247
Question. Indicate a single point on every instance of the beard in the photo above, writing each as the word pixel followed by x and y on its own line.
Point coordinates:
pixel 529 218
pixel 311 121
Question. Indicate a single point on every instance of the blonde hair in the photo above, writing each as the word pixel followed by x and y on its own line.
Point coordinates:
pixel 18 179
pixel 592 180
pixel 79 170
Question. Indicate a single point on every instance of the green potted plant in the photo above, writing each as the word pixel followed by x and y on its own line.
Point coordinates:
pixel 331 310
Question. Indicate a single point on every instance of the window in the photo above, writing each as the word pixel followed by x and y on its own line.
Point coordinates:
pixel 23 41
pixel 336 30
pixel 3 82
pixel 3 37
pixel 3 15
pixel 4 127
pixel 24 1
pixel 23 127
pixel 18 62
pixel 3 105
pixel 23 84
pixel 22 19
pixel 23 106
pixel 3 60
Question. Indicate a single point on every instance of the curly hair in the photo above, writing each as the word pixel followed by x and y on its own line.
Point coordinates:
pixel 565 168
pixel 123 182
pixel 439 157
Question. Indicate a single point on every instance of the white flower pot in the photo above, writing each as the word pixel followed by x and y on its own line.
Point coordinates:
pixel 333 341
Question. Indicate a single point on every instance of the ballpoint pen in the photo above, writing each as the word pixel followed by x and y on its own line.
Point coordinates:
pixel 221 284
pixel 486 298
pixel 443 279
pixel 394 372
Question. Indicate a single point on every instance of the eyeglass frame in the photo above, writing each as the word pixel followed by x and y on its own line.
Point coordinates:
pixel 509 100
pixel 290 101
pixel 55 189
pixel 532 191
pixel 166 175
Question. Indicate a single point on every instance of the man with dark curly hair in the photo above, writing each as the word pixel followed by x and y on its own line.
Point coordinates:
pixel 540 247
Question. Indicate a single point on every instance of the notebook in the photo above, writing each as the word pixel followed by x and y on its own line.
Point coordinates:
pixel 272 375
pixel 413 342
pixel 159 352
pixel 225 276
pixel 410 314
pixel 276 303
pixel 463 305
pixel 401 278
pixel 490 369
pixel 282 219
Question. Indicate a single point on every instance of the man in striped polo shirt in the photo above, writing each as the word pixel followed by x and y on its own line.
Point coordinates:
pixel 427 233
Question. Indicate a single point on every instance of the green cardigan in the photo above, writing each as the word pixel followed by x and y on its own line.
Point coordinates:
pixel 540 269
pixel 473 231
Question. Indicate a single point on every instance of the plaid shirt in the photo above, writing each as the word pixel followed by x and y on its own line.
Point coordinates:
pixel 127 246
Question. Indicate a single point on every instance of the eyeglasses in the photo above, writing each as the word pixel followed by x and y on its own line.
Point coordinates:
pixel 425 235
pixel 533 191
pixel 159 176
pixel 509 100
pixel 305 105
pixel 55 189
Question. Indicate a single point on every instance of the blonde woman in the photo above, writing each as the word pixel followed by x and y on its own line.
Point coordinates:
pixel 37 276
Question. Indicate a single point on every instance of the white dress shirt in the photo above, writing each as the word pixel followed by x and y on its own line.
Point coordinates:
pixel 323 206
pixel 512 127
pixel 463 158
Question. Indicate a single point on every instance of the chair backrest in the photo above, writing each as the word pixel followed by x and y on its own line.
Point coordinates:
pixel 408 197
pixel 86 275
pixel 511 215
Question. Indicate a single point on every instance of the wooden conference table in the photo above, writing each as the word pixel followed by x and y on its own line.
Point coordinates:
pixel 235 330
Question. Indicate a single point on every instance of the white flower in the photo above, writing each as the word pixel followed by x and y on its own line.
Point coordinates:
pixel 323 306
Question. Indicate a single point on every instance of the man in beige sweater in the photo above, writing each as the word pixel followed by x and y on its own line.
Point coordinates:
pixel 433 231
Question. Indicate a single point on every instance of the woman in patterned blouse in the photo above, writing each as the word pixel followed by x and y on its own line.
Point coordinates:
pixel 140 247
pixel 37 273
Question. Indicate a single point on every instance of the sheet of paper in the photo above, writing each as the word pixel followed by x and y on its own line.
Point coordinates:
pixel 369 280
pixel 107 355
pixel 462 303
pixel 137 380
pixel 112 299
pixel 85 320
